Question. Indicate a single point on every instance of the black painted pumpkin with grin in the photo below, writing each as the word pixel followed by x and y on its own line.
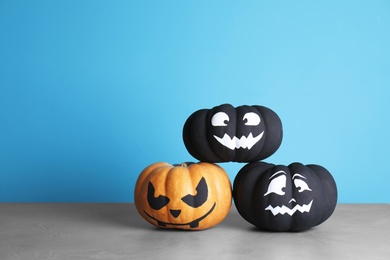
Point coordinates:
pixel 225 133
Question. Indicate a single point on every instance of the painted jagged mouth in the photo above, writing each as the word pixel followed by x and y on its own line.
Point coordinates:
pixel 236 143
pixel 192 224
pixel 283 209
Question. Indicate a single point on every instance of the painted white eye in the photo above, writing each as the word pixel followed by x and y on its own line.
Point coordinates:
pixel 220 119
pixel 301 185
pixel 277 185
pixel 251 119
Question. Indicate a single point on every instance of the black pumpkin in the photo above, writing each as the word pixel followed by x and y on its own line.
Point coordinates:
pixel 284 198
pixel 225 133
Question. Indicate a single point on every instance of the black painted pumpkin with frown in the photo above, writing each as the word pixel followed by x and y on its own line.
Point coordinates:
pixel 225 133
pixel 190 196
pixel 284 198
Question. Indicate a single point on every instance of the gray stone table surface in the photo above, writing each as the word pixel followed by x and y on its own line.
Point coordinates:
pixel 116 231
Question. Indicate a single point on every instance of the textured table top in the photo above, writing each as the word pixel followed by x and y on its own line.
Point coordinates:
pixel 116 231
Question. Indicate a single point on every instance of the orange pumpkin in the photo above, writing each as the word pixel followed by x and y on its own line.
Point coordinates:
pixel 192 196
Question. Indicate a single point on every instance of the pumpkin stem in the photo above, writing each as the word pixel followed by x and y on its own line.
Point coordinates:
pixel 184 164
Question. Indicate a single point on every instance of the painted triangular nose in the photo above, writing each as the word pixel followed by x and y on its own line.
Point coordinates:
pixel 175 212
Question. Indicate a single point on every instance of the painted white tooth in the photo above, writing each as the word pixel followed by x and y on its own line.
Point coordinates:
pixel 238 141
pixel 226 141
pixel 242 142
pixel 253 140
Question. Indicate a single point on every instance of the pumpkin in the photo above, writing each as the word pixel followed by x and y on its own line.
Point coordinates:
pixel 284 198
pixel 225 133
pixel 190 196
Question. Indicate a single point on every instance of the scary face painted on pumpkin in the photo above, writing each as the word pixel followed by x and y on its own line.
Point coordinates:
pixel 278 187
pixel 194 196
pixel 190 201
pixel 225 133
pixel 284 198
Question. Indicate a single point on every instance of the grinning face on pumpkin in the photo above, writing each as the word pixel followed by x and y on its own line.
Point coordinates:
pixel 277 187
pixel 182 209
pixel 237 128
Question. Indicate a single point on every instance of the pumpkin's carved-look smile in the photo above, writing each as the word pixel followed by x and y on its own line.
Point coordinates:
pixel 192 224
pixel 236 143
pixel 283 209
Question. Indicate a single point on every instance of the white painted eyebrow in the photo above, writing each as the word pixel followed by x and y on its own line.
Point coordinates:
pixel 298 175
pixel 278 173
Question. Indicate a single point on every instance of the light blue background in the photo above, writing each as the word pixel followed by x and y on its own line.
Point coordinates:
pixel 92 92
